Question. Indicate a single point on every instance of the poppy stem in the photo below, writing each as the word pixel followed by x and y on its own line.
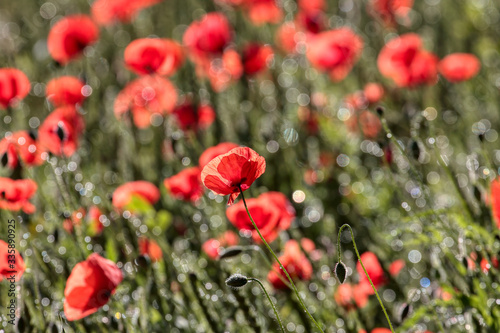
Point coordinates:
pixel 279 262
pixel 270 301
pixel 364 269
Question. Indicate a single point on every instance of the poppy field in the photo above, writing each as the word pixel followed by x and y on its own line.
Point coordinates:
pixel 250 166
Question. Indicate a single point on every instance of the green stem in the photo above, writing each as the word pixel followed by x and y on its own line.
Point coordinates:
pixel 271 302
pixel 279 262
pixel 364 269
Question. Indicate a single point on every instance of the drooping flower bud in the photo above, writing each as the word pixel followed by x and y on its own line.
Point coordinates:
pixel 237 281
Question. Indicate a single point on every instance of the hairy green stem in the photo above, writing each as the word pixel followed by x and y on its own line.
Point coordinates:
pixel 364 269
pixel 279 262
pixel 271 302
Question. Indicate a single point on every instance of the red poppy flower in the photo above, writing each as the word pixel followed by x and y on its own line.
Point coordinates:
pixel 272 212
pixel 335 51
pixel 263 11
pixel 107 12
pixel 94 219
pixel 373 92
pixel 70 36
pixel 495 200
pixel 7 269
pixel 212 152
pixel 344 296
pixel 213 247
pixel 228 173
pixel 90 286
pixel 189 117
pixel 396 267
pixel 403 60
pixel 20 145
pixel 485 265
pixel 256 57
pixel 144 97
pixel 381 330
pixel 296 264
pixel 368 122
pixel 74 220
pixel 60 130
pixel 221 71
pixel 285 37
pixel 14 86
pixel 14 194
pixel 373 268
pixel 123 194
pixel 65 90
pixel 208 36
pixel 153 55
pixel 311 22
pixel 150 248
pixel 390 10
pixel 186 185
pixel 458 67
pixel 311 5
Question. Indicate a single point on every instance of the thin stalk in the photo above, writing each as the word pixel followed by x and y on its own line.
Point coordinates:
pixel 279 262
pixel 364 269
pixel 271 302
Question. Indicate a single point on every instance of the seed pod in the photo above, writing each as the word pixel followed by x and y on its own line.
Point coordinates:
pixel 405 311
pixel 237 281
pixel 340 272
pixel 230 252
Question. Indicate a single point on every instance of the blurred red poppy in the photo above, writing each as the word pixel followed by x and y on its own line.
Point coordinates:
pixel 485 265
pixel 365 120
pixel 14 194
pixel 94 219
pixel 20 145
pixel 296 264
pixel 11 262
pixel 335 51
pixel 390 10
pixel 373 268
pixel 344 296
pixel 311 5
pixel 263 11
pixel 154 55
pixel 213 247
pixel 285 37
pixel 14 86
pixel 107 12
pixel 144 97
pixel 373 92
pixel 144 190
pixel 191 118
pixel 70 36
pixel 396 267
pixel 74 220
pixel 208 36
pixel 186 185
pixel 403 60
pixel 90 286
pixel 458 67
pixel 311 22
pixel 272 213
pixel 495 200
pixel 65 90
pixel 150 248
pixel 60 130
pixel 256 58
pixel 212 152
pixel 237 169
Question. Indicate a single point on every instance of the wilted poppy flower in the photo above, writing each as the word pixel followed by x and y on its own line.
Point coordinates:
pixel 390 10
pixel 153 55
pixel 256 57
pixel 70 36
pixel 14 86
pixel 90 286
pixel 403 60
pixel 8 266
pixel 186 185
pixel 106 12
pixel 65 90
pixel 373 268
pixel 495 200
pixel 335 51
pixel 296 264
pixel 272 213
pixel 458 67
pixel 237 169
pixel 213 247
pixel 212 152
pixel 189 116
pixel 144 97
pixel 20 145
pixel 59 132
pixel 15 194
pixel 208 36
pixel 150 248
pixel 262 11
pixel 144 190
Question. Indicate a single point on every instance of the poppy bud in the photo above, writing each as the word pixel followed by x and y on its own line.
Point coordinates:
pixel 230 252
pixel 142 261
pixel 380 111
pixel 237 281
pixel 415 150
pixel 481 137
pixel 5 159
pixel 60 131
pixel 477 193
pixel 405 310
pixel 340 272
